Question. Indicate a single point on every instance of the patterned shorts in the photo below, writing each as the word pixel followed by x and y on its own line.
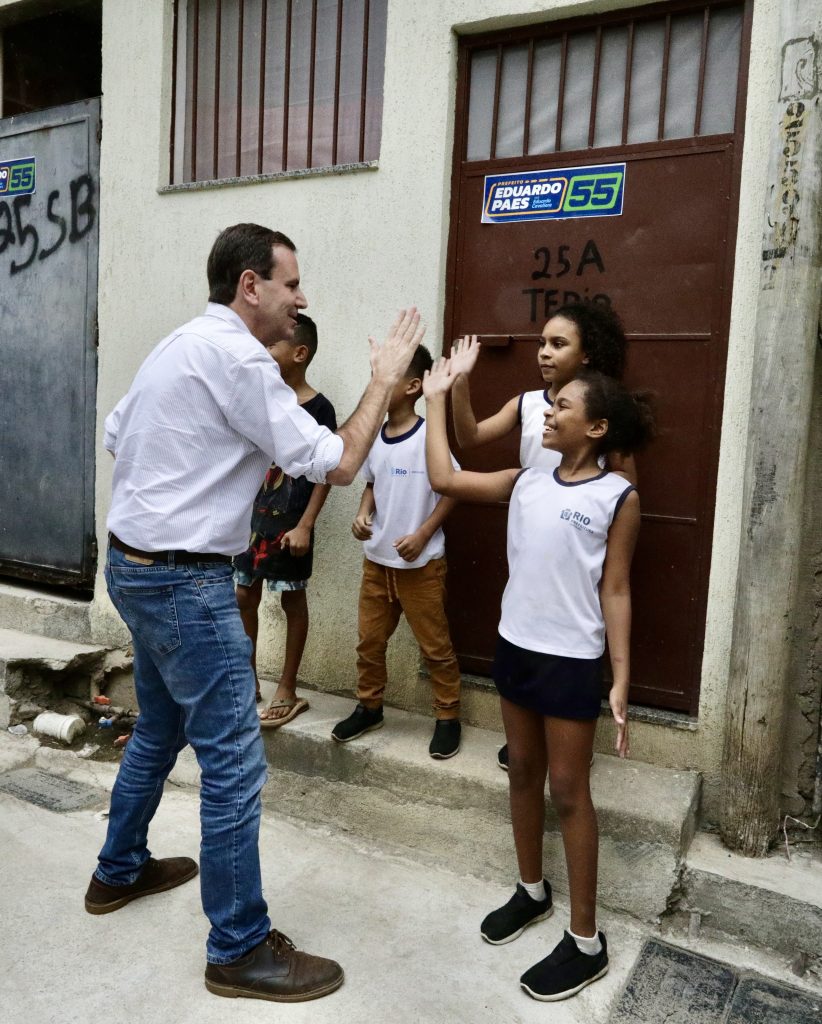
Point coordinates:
pixel 243 579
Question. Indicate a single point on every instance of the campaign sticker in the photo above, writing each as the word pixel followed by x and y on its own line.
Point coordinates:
pixel 554 194
pixel 17 177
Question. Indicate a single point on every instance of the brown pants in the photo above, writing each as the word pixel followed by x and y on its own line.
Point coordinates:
pixel 384 595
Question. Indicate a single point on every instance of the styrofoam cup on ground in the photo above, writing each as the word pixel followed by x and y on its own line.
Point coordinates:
pixel 65 728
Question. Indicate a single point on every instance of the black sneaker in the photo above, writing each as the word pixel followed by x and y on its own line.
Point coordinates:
pixel 446 739
pixel 502 757
pixel 565 971
pixel 359 721
pixel 509 922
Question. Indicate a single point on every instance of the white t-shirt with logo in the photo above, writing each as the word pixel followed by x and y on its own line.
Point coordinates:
pixel 402 495
pixel 557 535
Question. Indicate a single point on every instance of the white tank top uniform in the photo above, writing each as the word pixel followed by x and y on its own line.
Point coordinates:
pixel 531 411
pixel 552 632
pixel 402 496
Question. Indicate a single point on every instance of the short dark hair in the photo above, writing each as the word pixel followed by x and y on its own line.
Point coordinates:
pixel 420 362
pixel 601 333
pixel 238 248
pixel 629 413
pixel 305 333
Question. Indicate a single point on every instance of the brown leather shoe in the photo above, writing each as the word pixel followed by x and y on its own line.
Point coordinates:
pixel 277 971
pixel 156 876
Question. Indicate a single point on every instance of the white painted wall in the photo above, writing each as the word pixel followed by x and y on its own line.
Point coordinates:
pixel 369 242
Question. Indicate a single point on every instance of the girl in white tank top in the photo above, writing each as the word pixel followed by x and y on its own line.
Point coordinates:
pixel 571 536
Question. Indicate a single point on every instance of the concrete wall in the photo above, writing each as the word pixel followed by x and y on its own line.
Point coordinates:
pixel 370 241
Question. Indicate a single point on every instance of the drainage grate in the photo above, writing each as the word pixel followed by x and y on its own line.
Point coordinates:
pixel 679 987
pixel 50 791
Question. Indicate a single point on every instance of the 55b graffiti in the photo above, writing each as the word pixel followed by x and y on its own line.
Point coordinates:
pixel 18 232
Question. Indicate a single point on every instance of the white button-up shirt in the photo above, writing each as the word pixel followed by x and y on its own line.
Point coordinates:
pixel 207 414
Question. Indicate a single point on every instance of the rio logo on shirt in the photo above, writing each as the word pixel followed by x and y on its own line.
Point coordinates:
pixel 577 519
pixel 397 471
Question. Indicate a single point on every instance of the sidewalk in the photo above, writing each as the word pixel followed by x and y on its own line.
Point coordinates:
pixel 407 934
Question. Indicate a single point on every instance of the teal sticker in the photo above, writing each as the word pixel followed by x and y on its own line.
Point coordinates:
pixel 17 177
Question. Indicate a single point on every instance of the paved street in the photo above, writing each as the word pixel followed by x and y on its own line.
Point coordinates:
pixel 406 934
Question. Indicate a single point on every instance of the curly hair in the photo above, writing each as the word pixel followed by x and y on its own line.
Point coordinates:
pixel 629 413
pixel 601 333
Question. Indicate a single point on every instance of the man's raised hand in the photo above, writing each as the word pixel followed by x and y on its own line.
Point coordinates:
pixel 390 360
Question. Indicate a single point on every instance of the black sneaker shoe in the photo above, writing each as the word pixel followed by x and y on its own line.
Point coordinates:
pixel 565 971
pixel 446 739
pixel 502 757
pixel 509 922
pixel 359 721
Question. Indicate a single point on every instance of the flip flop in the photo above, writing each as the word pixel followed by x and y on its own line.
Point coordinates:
pixel 297 706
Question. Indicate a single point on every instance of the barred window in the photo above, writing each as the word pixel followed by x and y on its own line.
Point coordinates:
pixel 636 79
pixel 262 86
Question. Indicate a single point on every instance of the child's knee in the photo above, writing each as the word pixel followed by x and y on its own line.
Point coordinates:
pixel 248 598
pixel 568 793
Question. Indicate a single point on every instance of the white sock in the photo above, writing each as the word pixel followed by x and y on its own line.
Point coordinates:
pixel 590 946
pixel 536 890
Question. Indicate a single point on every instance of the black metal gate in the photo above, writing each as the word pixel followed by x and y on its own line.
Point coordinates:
pixel 48 340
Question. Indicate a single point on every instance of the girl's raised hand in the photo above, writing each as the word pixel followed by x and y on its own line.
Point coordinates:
pixel 619 709
pixel 464 354
pixel 438 380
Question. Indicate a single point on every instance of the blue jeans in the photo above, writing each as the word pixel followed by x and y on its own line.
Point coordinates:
pixel 195 685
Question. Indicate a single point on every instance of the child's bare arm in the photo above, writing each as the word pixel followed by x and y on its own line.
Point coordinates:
pixel 361 527
pixel 468 432
pixel 410 546
pixel 298 540
pixel 444 478
pixel 615 598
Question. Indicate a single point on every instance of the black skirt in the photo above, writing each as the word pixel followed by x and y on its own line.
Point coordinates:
pixel 549 684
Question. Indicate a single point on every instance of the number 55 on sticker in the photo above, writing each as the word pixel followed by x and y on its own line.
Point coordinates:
pixel 594 193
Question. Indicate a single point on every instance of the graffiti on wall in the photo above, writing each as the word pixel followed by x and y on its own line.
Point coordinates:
pixel 68 217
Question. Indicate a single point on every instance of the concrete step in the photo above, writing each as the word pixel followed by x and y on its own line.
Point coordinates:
pixel 385 788
pixel 37 673
pixel 772 903
pixel 41 612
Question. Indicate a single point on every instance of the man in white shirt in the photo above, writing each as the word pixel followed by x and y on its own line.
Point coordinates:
pixel 205 417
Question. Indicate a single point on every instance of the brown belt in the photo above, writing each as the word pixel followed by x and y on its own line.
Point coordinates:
pixel 180 557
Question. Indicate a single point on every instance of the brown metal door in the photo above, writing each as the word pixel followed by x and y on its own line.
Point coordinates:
pixel 666 266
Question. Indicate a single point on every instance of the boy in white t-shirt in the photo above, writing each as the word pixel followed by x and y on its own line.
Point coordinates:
pixel 400 523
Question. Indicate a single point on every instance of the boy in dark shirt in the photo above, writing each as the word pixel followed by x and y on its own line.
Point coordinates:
pixel 282 535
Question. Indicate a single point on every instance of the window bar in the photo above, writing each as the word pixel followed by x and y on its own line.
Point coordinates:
pixel 561 91
pixel 663 85
pixel 218 52
pixel 261 113
pixel 529 84
pixel 626 103
pixel 195 84
pixel 703 57
pixel 469 64
pixel 241 19
pixel 364 82
pixel 173 91
pixel 286 83
pixel 592 124
pixel 312 70
pixel 497 79
pixel 334 141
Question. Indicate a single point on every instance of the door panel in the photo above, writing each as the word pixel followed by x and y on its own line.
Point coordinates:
pixel 662 265
pixel 48 317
